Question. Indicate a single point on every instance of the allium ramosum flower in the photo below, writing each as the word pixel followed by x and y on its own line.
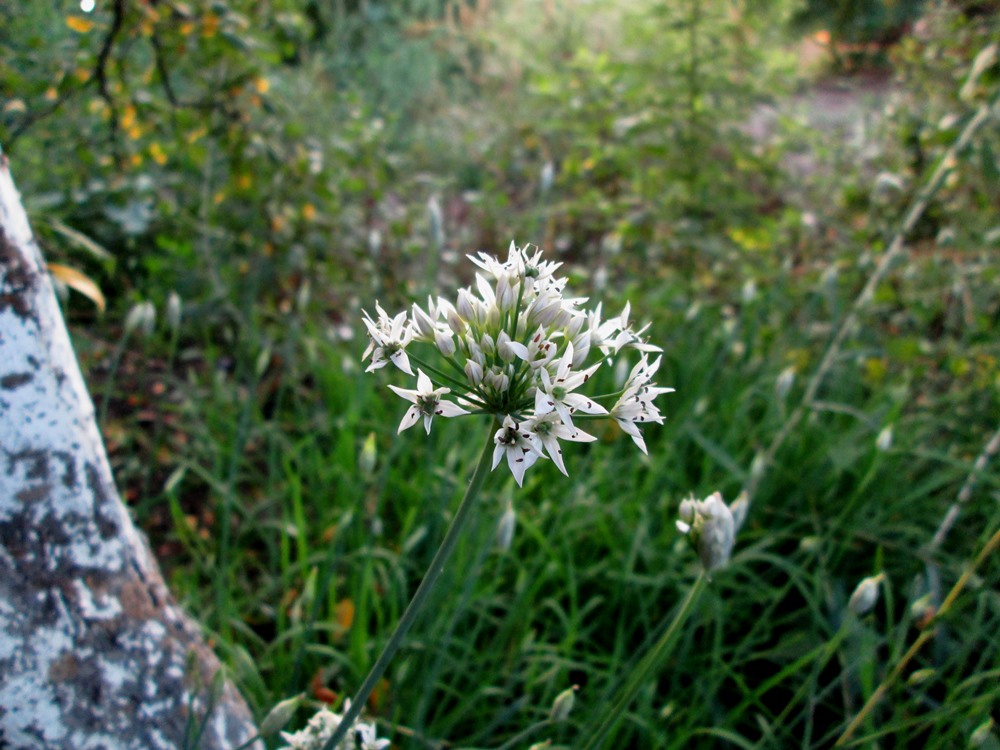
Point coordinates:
pixel 321 728
pixel 427 403
pixel 517 348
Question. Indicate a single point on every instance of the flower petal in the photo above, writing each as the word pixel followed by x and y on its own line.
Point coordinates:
pixel 411 417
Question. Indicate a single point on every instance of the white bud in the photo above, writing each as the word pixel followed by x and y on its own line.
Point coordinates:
pixel 445 343
pixel 280 715
pixel 865 595
pixel 374 243
pixel 785 381
pixel 547 177
pixel 174 310
pixel 506 293
pixel 505 528
pixel 576 324
pixel 422 322
pixel 884 440
pixel 474 372
pixel 467 306
pixel 455 323
pixel 436 221
pixel 504 350
pixel 983 736
pixel 487 344
pixel 921 676
pixel 563 704
pixel 581 350
pixel 369 455
pixel 141 318
pixel 709 524
pixel 475 351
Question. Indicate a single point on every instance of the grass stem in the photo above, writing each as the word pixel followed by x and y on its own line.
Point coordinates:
pixel 649 662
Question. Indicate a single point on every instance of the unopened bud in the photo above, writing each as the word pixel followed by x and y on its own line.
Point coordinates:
pixel 174 310
pixel 504 350
pixel 369 455
pixel 785 382
pixel 422 322
pixel 280 715
pixel 921 676
pixel 141 318
pixel 505 528
pixel 709 525
pixel 884 440
pixel 474 372
pixel 445 343
pixel 983 736
pixel 436 222
pixel 865 595
pixel 563 704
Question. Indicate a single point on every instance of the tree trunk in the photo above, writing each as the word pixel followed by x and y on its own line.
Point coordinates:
pixel 94 652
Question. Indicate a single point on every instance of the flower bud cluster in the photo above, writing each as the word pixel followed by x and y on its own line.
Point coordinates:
pixel 711 525
pixel 516 347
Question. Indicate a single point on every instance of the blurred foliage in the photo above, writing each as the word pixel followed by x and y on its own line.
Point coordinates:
pixel 260 170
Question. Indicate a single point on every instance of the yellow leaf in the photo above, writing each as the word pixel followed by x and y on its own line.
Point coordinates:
pixel 209 25
pixel 344 612
pixel 156 151
pixel 309 212
pixel 262 85
pixel 81 25
pixel 79 282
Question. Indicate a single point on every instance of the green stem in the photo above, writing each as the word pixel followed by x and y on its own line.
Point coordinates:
pixel 649 662
pixel 925 635
pixel 420 598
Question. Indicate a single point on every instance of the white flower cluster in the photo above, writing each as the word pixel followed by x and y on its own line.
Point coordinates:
pixel 516 347
pixel 321 728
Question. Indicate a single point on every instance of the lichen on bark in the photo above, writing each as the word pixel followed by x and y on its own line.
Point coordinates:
pixel 94 651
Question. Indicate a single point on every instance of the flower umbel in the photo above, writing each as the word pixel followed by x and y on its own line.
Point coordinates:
pixel 321 728
pixel 516 347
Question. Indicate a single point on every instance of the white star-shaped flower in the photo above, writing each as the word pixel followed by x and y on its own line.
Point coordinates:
pixel 615 334
pixel 555 393
pixel 368 739
pixel 519 445
pixel 636 403
pixel 549 429
pixel 389 339
pixel 427 403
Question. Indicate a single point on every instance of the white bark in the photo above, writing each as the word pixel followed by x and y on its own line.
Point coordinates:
pixel 94 652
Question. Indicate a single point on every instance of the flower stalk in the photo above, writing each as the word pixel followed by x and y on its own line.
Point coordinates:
pixel 416 604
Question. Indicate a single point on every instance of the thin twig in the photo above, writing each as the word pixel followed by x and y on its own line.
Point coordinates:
pixel 101 71
pixel 966 492
pixel 895 251
pixel 991 546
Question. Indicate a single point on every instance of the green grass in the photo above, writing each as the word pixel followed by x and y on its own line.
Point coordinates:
pixel 298 552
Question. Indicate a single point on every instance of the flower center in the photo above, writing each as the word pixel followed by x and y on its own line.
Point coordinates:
pixel 427 404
